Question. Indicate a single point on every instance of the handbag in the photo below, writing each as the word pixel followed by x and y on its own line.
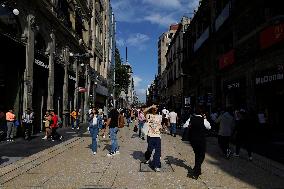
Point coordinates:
pixel 145 129
pixel 135 129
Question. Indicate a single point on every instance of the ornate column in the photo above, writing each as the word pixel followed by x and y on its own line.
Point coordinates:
pixel 65 87
pixel 51 46
pixel 28 75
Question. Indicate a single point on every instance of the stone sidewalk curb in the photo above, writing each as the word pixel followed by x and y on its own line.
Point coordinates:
pixel 20 167
pixel 262 162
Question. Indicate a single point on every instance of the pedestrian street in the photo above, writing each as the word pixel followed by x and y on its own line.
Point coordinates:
pixel 71 164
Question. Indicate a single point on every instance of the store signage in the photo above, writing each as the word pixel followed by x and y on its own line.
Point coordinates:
pixel 269 78
pixel 234 85
pixel 71 77
pixel 271 35
pixel 187 101
pixel 40 63
pixel 227 59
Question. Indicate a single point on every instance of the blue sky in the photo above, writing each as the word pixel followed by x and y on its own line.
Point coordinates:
pixel 139 25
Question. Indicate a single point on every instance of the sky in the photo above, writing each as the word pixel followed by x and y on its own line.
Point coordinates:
pixel 139 23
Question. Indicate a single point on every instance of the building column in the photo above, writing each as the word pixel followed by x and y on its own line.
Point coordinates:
pixel 76 95
pixel 87 94
pixel 51 46
pixel 28 75
pixel 65 87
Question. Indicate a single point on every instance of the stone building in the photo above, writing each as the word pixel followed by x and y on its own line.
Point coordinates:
pixel 46 52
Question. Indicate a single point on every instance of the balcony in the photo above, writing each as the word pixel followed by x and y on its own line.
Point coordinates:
pixel 99 47
pixel 204 36
pixel 99 17
pixel 225 14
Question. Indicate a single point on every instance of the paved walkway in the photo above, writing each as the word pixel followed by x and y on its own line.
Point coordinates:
pixel 72 165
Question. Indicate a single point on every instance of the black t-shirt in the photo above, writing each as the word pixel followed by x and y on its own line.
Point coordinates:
pixel 113 114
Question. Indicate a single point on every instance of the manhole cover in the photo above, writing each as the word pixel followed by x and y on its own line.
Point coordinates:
pixel 166 167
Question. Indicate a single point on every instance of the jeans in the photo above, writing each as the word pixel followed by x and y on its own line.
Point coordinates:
pixel 155 143
pixel 224 143
pixel 94 130
pixel 10 129
pixel 74 122
pixel 113 138
pixel 27 130
pixel 141 124
pixel 128 121
pixel 173 128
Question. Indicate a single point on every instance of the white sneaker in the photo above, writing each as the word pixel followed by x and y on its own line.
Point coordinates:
pixel 78 128
pixel 44 138
pixel 72 128
pixel 111 154
pixel 94 153
pixel 157 169
pixel 236 155
pixel 117 152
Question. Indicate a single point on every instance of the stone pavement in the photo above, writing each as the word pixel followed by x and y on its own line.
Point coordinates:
pixel 72 165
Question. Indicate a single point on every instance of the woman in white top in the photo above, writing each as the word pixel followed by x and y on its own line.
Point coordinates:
pixel 154 137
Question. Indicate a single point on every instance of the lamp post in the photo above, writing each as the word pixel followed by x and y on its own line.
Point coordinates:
pixel 78 57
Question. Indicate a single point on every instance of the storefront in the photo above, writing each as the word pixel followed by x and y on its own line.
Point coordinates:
pixel 12 63
pixel 234 93
pixel 40 89
pixel 269 86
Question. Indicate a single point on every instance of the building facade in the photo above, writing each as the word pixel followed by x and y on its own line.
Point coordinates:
pixel 49 45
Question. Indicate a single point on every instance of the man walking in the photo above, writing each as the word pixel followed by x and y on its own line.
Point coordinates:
pixel 10 118
pixel 227 124
pixel 173 122
pixel 112 123
pixel 165 116
pixel 27 120
pixel 54 126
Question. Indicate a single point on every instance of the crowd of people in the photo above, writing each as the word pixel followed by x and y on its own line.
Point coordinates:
pixel 150 123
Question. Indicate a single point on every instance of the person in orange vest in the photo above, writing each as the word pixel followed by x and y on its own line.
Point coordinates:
pixel 10 118
pixel 74 119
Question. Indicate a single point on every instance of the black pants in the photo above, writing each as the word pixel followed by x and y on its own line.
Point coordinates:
pixel 27 130
pixel 224 143
pixel 199 148
pixel 243 141
pixel 54 134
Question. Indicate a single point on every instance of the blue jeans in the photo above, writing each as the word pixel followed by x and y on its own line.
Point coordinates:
pixel 113 138
pixel 94 130
pixel 173 128
pixel 155 143
pixel 141 124
pixel 73 122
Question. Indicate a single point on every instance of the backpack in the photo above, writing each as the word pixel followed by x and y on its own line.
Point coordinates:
pixel 59 122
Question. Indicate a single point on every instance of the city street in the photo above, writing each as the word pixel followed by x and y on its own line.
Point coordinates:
pixel 71 164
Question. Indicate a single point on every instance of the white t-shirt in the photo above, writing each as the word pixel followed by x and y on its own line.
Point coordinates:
pixel 95 120
pixel 154 124
pixel 173 117
pixel 166 113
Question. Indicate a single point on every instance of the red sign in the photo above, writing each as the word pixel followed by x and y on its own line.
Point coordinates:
pixel 227 59
pixel 271 35
pixel 82 90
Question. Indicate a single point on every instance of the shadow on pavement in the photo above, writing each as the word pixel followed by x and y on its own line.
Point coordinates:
pixel 3 160
pixel 138 155
pixel 178 162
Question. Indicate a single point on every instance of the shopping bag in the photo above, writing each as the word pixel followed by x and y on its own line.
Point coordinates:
pixel 145 129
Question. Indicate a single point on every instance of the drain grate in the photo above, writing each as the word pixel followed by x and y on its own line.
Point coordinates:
pixel 166 167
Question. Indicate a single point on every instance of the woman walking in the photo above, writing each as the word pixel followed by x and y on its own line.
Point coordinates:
pixel 47 119
pixel 95 122
pixel 154 123
pixel 197 125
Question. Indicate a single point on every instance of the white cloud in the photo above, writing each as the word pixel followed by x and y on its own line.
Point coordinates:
pixel 137 80
pixel 162 20
pixel 164 3
pixel 137 39
pixel 120 42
